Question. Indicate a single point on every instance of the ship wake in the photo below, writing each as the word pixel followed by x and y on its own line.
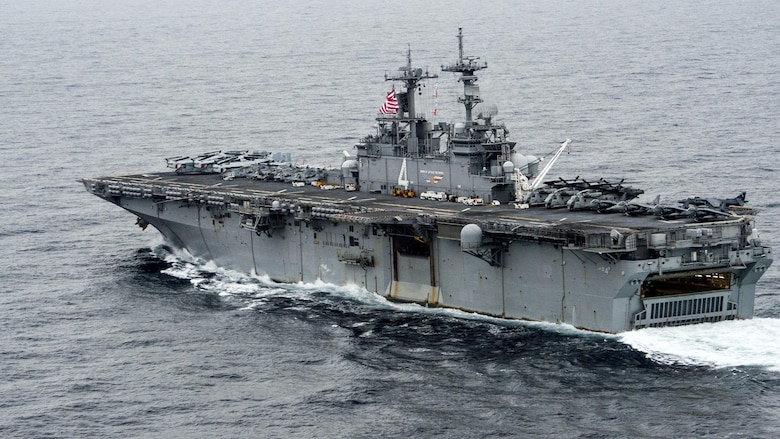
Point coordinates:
pixel 254 292
pixel 727 344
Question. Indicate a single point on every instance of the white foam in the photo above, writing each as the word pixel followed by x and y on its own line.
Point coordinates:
pixel 256 289
pixel 734 343
pixel 740 343
pixel 206 275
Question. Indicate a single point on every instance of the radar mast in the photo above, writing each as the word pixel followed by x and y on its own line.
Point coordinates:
pixel 467 66
pixel 410 76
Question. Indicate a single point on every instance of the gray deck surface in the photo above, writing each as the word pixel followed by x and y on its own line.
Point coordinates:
pixel 588 221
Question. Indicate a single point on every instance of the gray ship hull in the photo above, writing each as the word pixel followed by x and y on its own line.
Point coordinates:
pixel 529 268
pixel 636 267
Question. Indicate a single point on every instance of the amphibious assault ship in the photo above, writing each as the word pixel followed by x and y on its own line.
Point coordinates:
pixel 451 215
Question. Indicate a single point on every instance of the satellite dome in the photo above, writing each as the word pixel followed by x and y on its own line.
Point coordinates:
pixel 533 165
pixel 520 161
pixel 349 164
pixel 509 167
pixel 470 237
pixel 348 167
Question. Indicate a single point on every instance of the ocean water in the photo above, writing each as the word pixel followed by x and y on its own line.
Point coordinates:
pixel 105 331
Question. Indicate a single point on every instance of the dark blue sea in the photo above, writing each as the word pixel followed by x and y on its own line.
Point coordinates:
pixel 106 332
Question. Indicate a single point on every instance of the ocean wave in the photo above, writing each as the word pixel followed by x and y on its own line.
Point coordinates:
pixel 728 344
pixel 741 343
pixel 256 289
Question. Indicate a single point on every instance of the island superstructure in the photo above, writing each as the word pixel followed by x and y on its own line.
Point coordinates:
pixel 452 215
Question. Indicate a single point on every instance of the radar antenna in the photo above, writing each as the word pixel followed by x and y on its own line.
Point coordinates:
pixel 467 66
pixel 410 76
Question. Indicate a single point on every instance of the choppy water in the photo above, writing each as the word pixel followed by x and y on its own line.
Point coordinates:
pixel 106 332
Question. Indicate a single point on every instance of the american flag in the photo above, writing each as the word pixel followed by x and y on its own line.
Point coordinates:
pixel 391 104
